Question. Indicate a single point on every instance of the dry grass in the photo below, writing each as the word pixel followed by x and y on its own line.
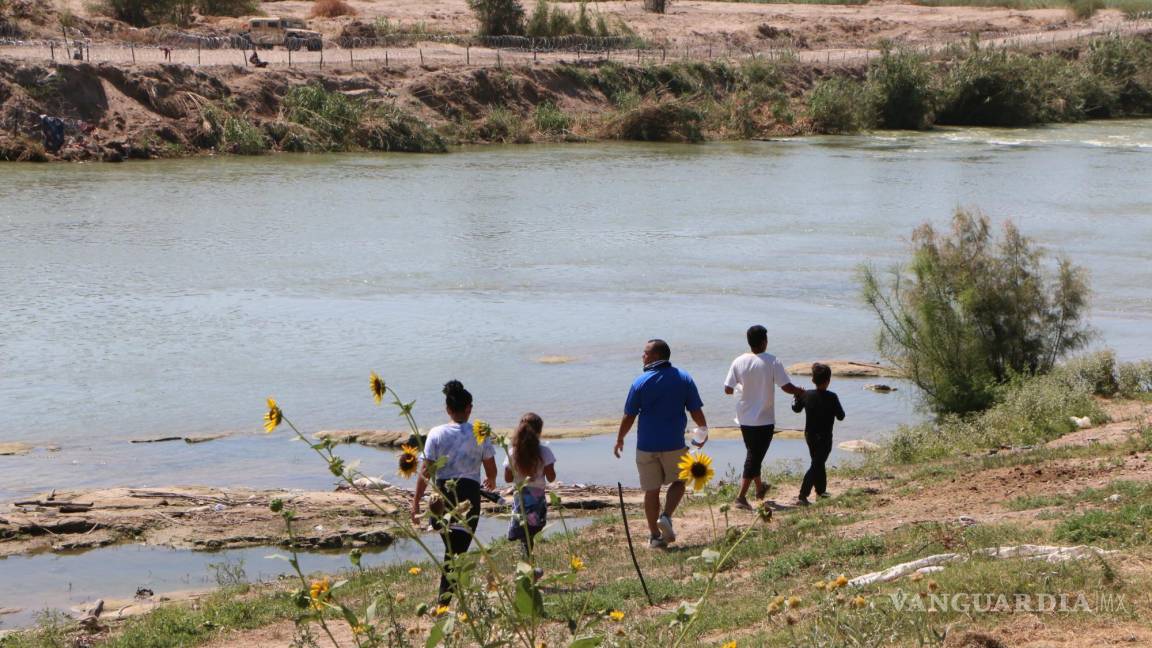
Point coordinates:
pixel 331 9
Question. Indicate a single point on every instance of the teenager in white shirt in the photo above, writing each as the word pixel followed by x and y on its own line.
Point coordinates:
pixel 757 374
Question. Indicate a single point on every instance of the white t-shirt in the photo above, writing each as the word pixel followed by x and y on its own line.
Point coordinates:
pixel 547 458
pixel 758 375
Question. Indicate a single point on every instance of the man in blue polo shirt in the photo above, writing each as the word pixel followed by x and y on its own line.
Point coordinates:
pixel 659 397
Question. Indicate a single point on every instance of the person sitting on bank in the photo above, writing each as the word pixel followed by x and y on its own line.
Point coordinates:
pixel 821 411
pixel 659 397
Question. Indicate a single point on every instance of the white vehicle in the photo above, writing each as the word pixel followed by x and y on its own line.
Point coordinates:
pixel 292 33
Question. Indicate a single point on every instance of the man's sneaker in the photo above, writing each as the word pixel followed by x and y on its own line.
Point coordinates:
pixel 656 542
pixel 825 495
pixel 742 504
pixel 802 501
pixel 762 490
pixel 667 533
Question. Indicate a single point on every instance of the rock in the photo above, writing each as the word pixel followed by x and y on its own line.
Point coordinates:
pixel 1081 422
pixel 9 449
pixel 204 438
pixel 9 610
pixel 847 369
pixel 1114 497
pixel 966 520
pixel 880 388
pixel 858 445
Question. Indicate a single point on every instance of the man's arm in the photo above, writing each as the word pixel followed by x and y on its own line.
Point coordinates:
pixel 490 473
pixel 625 426
pixel 508 476
pixel 839 410
pixel 421 485
pixel 789 388
pixel 698 417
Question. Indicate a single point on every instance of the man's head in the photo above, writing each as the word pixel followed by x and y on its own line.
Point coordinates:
pixel 656 350
pixel 821 374
pixel 758 339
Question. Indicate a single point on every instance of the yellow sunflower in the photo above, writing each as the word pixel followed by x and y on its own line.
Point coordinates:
pixel 616 615
pixel 378 387
pixel 697 469
pixel 576 563
pixel 273 416
pixel 409 460
pixel 319 591
pixel 729 644
pixel 482 431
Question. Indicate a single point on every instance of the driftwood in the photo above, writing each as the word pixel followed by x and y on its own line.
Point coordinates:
pixel 169 495
pixel 160 440
pixel 50 503
pixel 1046 553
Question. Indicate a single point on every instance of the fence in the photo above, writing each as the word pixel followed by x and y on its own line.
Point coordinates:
pixel 437 50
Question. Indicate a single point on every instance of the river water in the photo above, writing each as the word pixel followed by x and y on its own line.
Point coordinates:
pixel 171 297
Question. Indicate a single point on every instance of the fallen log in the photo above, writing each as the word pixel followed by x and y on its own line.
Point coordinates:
pixel 1047 553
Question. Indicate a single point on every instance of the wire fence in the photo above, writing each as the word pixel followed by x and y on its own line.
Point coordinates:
pixel 446 50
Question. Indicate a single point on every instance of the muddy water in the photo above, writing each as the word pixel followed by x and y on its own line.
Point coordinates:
pixel 170 298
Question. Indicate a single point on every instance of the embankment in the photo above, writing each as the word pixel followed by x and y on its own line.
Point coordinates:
pixel 114 113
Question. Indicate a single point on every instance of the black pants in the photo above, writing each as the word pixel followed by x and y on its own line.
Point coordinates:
pixel 457 538
pixel 819 447
pixel 757 438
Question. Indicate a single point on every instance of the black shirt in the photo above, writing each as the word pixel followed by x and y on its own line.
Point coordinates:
pixel 820 407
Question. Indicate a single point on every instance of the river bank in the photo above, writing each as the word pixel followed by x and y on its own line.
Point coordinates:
pixel 1085 488
pixel 113 113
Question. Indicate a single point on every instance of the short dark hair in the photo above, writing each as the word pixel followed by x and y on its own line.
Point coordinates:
pixel 821 373
pixel 660 349
pixel 757 336
pixel 456 398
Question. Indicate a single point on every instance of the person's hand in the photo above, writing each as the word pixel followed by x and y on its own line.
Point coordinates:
pixel 619 447
pixel 490 483
pixel 416 517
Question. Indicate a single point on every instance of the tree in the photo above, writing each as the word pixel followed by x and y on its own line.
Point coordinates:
pixel 498 17
pixel 970 313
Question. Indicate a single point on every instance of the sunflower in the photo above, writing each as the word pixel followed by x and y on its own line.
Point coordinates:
pixel 576 563
pixel 319 591
pixel 273 416
pixel 616 615
pixel 409 459
pixel 378 387
pixel 729 644
pixel 697 469
pixel 482 431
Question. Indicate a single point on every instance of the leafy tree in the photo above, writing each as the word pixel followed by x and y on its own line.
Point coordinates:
pixel 970 313
pixel 498 17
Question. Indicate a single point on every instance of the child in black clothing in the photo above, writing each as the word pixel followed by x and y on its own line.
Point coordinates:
pixel 821 407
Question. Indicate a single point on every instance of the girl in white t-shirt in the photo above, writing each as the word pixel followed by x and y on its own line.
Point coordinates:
pixel 530 467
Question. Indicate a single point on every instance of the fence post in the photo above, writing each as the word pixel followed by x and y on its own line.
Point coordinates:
pixel 467 55
pixel 133 46
pixel 198 42
pixel 351 62
pixel 663 53
pixel 421 50
pixel 52 45
pixel 244 54
pixel 289 57
pixel 637 56
pixel 321 54
pixel 709 49
pixel 498 64
pixel 534 59
pixel 385 59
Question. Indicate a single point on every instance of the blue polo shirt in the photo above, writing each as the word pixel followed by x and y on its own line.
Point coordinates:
pixel 661 396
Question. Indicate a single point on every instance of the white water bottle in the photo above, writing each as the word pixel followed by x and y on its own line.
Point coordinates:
pixel 700 436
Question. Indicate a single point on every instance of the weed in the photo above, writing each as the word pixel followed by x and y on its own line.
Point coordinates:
pixel 550 120
pixel 834 106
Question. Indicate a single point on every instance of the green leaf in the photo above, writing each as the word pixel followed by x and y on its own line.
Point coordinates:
pixel 435 634
pixel 349 616
pixel 553 499
pixel 370 613
pixel 529 603
pixel 588 641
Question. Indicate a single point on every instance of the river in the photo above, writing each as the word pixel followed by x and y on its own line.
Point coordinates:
pixel 171 297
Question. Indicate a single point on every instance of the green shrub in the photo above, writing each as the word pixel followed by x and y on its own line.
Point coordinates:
pixel 1121 72
pixel 1129 524
pixel 668 121
pixel 234 8
pixel 498 17
pixel 970 313
pixel 549 21
pixel 1134 379
pixel 1084 9
pixel 1097 370
pixel 503 125
pixel 393 129
pixel 835 107
pixel 1002 88
pixel 902 90
pixel 551 120
pixel 332 116
pixel 242 137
